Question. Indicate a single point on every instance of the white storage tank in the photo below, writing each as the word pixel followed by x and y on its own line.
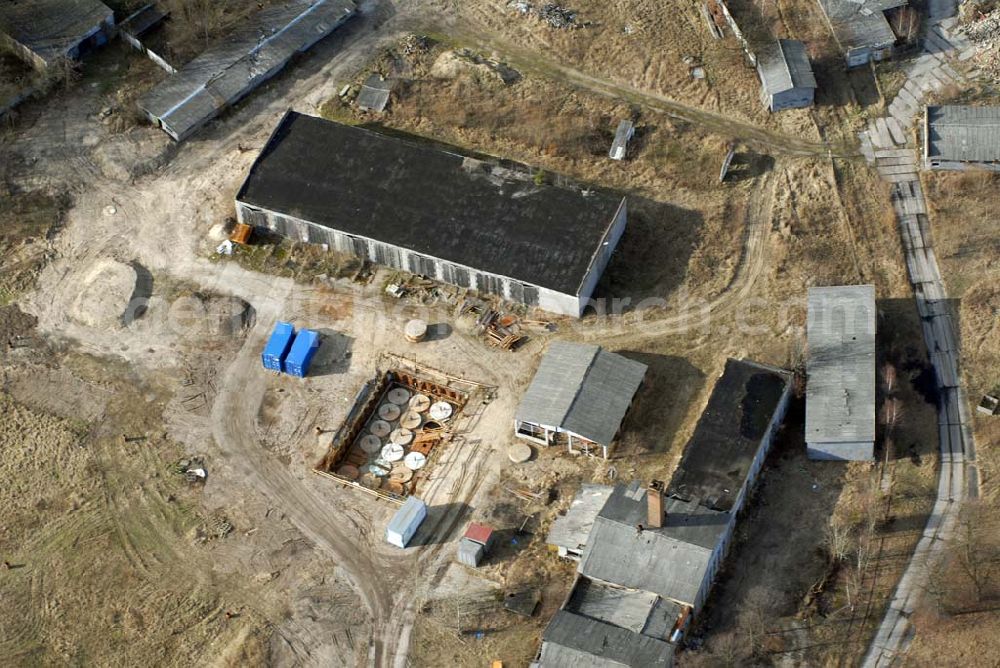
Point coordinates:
pixel 405 522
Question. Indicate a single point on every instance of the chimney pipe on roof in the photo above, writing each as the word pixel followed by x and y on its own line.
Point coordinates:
pixel 654 504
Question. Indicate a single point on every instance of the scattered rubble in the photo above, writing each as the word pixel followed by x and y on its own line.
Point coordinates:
pixel 414 44
pixel 984 33
pixel 557 16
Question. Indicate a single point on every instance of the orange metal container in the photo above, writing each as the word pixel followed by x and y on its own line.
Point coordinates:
pixel 241 234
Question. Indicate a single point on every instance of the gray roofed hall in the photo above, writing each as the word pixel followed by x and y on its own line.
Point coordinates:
pixel 963 134
pixel 671 561
pixel 861 23
pixel 569 532
pixel 784 65
pixel 840 385
pixel 574 641
pixel 253 53
pixel 582 389
pixel 52 29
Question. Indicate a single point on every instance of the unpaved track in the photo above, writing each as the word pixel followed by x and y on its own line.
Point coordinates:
pixel 544 65
pixel 234 418
pixel 700 314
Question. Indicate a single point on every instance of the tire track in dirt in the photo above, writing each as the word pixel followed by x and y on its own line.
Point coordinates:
pixel 546 66
pixel 753 255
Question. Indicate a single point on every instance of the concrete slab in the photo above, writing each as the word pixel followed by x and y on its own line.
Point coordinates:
pixel 899 178
pixel 886 170
pixel 896 153
pixel 951 72
pixel 908 161
pixel 884 136
pixel 896 131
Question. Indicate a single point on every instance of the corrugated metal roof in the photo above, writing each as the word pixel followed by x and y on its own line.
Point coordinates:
pixel 575 641
pixel 571 530
pixel 374 95
pixel 52 28
pixel 413 511
pixel 670 561
pixel 784 65
pixel 583 389
pixel 255 52
pixel 479 533
pixel 433 200
pixel 840 384
pixel 968 134
pixel 861 23
pixel 625 608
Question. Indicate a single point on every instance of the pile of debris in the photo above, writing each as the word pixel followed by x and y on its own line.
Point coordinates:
pixel 984 32
pixel 414 44
pixel 500 330
pixel 192 469
pixel 555 15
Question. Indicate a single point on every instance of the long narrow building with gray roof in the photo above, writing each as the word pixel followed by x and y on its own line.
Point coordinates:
pixel 840 373
pixel 225 73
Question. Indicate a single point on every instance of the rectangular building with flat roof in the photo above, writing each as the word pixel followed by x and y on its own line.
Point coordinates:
pixel 960 137
pixel 862 28
pixel 413 205
pixel 226 72
pixel 786 76
pixel 840 373
pixel 42 32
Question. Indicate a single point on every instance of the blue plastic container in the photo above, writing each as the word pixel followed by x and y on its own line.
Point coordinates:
pixel 277 346
pixel 302 352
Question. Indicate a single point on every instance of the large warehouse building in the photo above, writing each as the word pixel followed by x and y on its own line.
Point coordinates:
pixel 840 373
pixel 410 205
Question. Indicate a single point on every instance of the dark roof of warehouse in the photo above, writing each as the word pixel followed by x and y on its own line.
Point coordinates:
pixel 575 641
pixel 50 28
pixel 970 134
pixel 725 441
pixel 408 193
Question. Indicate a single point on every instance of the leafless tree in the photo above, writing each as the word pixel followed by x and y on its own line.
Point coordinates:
pixel 752 620
pixel 976 549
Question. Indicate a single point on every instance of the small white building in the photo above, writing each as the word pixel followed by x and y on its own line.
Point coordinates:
pixel 840 373
pixel 578 397
pixel 405 522
pixel 786 77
